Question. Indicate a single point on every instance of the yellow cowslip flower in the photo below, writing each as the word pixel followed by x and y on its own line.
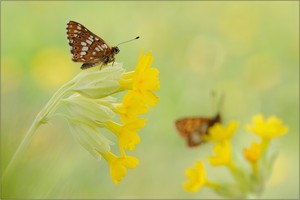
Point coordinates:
pixel 219 133
pixel 222 152
pixel 253 154
pixel 130 107
pixel 118 165
pixel 90 107
pixel 196 177
pixel 267 128
pixel 143 80
pixel 127 133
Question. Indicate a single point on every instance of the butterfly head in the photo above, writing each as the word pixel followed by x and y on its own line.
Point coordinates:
pixel 115 50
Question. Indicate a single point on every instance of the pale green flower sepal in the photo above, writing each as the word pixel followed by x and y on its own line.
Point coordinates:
pixel 84 108
pixel 86 117
pixel 95 83
pixel 90 138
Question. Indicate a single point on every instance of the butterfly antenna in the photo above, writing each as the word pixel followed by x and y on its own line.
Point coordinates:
pixel 129 40
pixel 217 103
pixel 220 103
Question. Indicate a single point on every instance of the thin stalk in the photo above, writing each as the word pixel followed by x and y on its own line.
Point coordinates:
pixel 41 118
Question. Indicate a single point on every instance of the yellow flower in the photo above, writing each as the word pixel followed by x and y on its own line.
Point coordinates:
pixel 196 177
pixel 218 133
pixel 267 129
pixel 118 165
pixel 222 152
pixel 130 107
pixel 253 154
pixel 143 80
pixel 127 133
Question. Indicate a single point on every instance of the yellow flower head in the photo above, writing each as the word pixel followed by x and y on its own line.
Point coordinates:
pixel 143 80
pixel 222 152
pixel 219 133
pixel 127 133
pixel 130 107
pixel 196 177
pixel 267 129
pixel 253 154
pixel 118 165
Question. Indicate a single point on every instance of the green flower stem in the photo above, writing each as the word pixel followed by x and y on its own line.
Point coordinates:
pixel 212 185
pixel 239 176
pixel 41 118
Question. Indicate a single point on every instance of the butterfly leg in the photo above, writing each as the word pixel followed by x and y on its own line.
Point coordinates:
pixel 113 62
pixel 101 66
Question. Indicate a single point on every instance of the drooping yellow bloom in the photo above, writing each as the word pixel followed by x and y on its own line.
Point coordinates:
pixel 127 133
pixel 143 80
pixel 222 155
pixel 253 154
pixel 267 128
pixel 130 107
pixel 196 177
pixel 118 165
pixel 219 133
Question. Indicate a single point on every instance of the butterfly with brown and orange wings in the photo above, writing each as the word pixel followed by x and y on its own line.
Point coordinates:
pixel 89 48
pixel 193 129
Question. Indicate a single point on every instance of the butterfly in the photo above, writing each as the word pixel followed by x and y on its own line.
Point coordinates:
pixel 89 48
pixel 193 129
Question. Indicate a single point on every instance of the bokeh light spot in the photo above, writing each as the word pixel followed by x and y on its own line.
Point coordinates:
pixel 262 72
pixel 240 25
pixel 52 67
pixel 11 75
pixel 204 54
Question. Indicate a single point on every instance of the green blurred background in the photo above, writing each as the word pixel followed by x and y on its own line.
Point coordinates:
pixel 246 50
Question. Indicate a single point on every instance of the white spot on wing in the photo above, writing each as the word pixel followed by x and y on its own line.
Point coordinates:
pixel 82 53
pixel 78 27
pixel 85 48
pixel 94 53
pixel 88 41
pixel 83 43
pixel 97 49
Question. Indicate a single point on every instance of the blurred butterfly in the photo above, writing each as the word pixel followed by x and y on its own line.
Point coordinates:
pixel 194 128
pixel 89 48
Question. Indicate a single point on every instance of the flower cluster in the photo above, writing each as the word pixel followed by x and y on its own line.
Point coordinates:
pixel 246 184
pixel 91 108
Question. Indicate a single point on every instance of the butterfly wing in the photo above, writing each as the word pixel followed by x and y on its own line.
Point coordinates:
pixel 193 129
pixel 85 45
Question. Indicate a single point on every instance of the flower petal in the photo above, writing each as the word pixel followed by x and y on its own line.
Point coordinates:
pixel 196 178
